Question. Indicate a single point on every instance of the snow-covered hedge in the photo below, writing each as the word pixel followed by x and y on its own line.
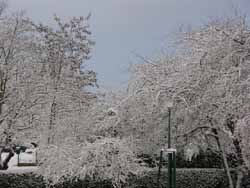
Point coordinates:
pixel 186 178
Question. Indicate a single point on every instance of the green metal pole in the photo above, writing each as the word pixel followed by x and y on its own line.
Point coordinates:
pixel 170 170
pixel 174 170
pixel 18 159
pixel 169 154
pixel 36 158
pixel 169 128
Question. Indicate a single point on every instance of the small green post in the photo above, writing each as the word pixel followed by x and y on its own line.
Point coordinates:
pixel 169 127
pixel 170 170
pixel 36 158
pixel 174 170
pixel 169 146
pixel 171 156
pixel 18 151
pixel 18 159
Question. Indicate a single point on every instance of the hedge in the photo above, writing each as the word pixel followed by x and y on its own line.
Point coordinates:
pixel 27 180
pixel 186 178
pixel 205 159
pixel 30 180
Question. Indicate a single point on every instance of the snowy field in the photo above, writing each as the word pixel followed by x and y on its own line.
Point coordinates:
pixel 19 170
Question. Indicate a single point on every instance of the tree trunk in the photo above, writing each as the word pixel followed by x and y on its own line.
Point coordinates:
pixel 239 179
pixel 240 162
pixel 225 162
pixel 236 143
pixel 4 163
pixel 1 162
pixel 52 121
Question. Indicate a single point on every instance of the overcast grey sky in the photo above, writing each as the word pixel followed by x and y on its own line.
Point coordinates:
pixel 122 26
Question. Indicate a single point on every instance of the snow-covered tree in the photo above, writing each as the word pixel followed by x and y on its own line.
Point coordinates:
pixel 208 84
pixel 77 126
pixel 62 75
pixel 220 85
pixel 17 77
pixel 44 97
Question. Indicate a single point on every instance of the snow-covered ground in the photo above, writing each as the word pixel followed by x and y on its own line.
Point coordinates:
pixel 19 170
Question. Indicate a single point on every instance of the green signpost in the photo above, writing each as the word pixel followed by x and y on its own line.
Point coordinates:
pixel 171 167
pixel 171 158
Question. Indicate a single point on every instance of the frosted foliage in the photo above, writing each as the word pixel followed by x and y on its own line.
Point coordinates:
pixel 105 159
